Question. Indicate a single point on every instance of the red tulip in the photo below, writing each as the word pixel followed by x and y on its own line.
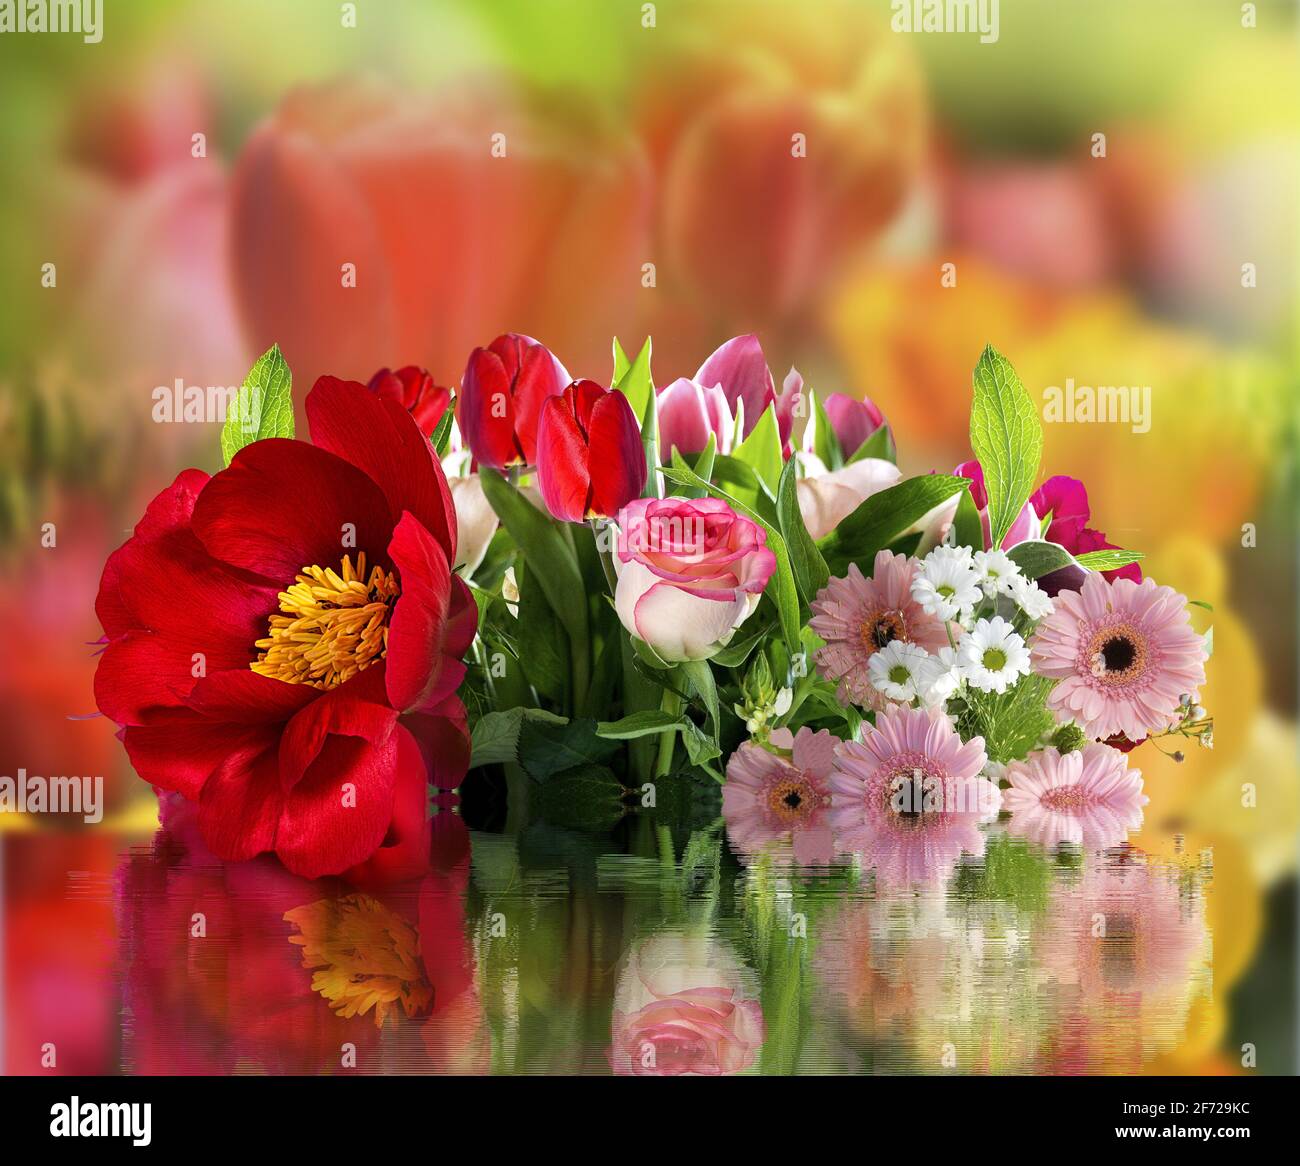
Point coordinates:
pixel 502 392
pixel 590 461
pixel 414 389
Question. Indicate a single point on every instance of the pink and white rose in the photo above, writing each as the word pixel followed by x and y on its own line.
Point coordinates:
pixel 690 572
pixel 684 1006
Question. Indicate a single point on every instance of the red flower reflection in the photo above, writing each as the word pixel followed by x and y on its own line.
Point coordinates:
pixel 281 634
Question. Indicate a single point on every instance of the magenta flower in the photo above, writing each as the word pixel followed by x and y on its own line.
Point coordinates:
pixel 1088 797
pixel 909 797
pixel 1123 653
pixel 779 802
pixel 1065 499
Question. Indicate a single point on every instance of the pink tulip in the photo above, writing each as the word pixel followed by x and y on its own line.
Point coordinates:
pixel 852 420
pixel 688 413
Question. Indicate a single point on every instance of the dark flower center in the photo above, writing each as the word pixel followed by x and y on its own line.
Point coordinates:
pixel 1118 654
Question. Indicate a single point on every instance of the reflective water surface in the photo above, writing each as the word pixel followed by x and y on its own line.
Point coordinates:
pixel 552 950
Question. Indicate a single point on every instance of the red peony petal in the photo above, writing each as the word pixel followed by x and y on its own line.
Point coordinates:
pixel 420 669
pixel 282 505
pixel 339 813
pixel 356 708
pixel 181 753
pixel 382 439
pixel 240 807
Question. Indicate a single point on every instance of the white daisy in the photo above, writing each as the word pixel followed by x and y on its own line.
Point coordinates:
pixel 900 670
pixel 996 571
pixel 945 676
pixel 992 655
pixel 945 585
pixel 1033 601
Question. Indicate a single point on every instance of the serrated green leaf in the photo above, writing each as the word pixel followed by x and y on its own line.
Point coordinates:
pixel 494 739
pixel 262 408
pixel 1006 437
pixel 549 747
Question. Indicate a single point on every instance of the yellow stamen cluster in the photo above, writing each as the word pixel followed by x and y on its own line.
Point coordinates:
pixel 334 625
pixel 363 957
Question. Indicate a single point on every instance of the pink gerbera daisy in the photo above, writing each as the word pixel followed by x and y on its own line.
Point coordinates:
pixel 1124 654
pixel 779 803
pixel 1089 797
pixel 857 616
pixel 909 798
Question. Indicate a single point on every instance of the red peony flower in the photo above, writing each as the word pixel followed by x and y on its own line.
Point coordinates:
pixel 284 637
pixel 589 457
pixel 501 396
pixel 414 389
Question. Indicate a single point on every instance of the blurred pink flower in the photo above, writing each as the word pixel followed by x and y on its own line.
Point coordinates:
pixel 447 242
pixel 684 1006
pixel 1088 797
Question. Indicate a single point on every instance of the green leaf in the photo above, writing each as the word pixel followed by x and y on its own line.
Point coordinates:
pixel 495 736
pixel 761 450
pixel 634 381
pixel 1007 439
pixel 546 549
pixel 880 444
pixel 1108 560
pixel 739 650
pixel 1037 558
pixel 782 586
pixel 886 516
pixel 640 724
pixel 968 531
pixel 542 649
pixel 262 408
pixel 806 561
pixel 825 444
pixel 549 747
pixel 700 678
pixel 441 435
pixel 586 797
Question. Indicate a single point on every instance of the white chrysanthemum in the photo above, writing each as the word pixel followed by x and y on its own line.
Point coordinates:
pixel 945 585
pixel 992 655
pixel 1033 601
pixel 996 571
pixel 900 670
pixel 945 677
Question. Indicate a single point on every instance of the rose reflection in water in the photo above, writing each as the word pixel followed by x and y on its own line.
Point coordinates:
pixel 245 968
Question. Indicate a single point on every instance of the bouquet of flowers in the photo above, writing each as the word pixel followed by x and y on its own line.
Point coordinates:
pixel 618 599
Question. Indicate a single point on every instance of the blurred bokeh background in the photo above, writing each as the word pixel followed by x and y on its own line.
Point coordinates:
pixel 178 196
